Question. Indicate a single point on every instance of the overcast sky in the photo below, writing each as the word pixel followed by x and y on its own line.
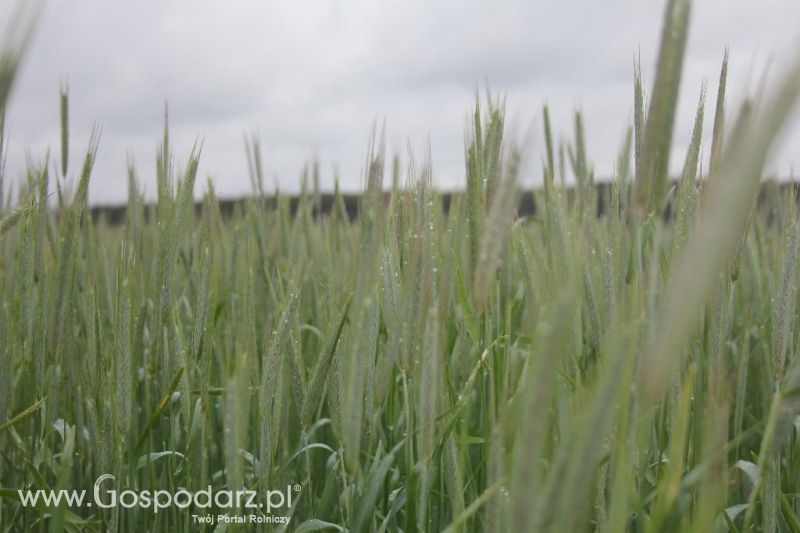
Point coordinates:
pixel 311 78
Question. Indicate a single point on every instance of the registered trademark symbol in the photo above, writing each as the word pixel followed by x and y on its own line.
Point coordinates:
pixel 297 487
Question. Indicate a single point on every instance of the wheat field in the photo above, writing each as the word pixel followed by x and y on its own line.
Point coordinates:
pixel 414 369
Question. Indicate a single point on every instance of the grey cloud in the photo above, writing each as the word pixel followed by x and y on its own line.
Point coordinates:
pixel 312 81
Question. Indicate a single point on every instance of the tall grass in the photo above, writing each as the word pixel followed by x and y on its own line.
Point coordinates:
pixel 416 370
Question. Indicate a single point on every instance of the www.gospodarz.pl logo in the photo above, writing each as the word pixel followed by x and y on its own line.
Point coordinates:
pixel 104 496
